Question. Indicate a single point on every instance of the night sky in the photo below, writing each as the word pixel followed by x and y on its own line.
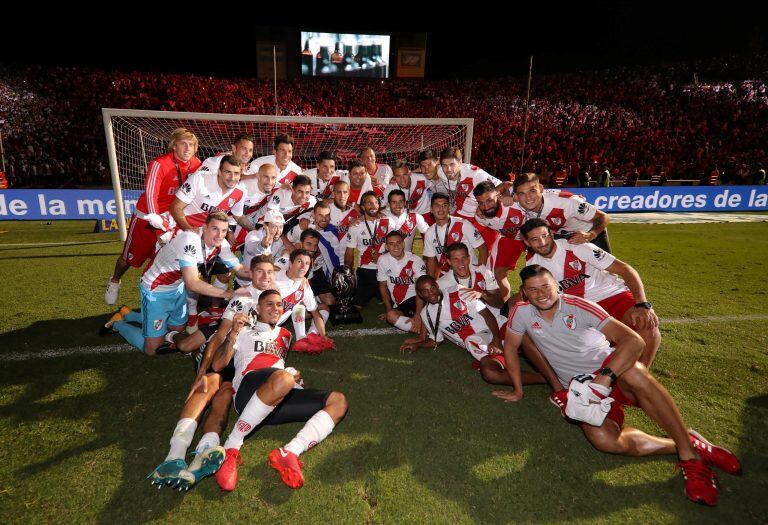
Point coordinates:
pixel 581 35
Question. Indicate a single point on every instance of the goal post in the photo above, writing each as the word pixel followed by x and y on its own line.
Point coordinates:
pixel 134 137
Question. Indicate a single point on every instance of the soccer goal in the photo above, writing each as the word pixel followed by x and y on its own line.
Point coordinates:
pixel 134 137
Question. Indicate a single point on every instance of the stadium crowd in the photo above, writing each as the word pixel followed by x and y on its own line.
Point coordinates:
pixel 614 126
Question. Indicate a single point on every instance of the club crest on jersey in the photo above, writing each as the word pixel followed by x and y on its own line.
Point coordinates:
pixel 231 202
pixel 570 322
pixel 515 220
pixel 455 236
pixel 465 187
pixel 190 250
pixel 409 224
pixel 460 306
pixel 157 324
pixel 481 285
pixel 557 221
pixel 576 265
pixel 299 295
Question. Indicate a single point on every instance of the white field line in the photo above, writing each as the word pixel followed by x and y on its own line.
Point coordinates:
pixel 37 244
pixel 361 332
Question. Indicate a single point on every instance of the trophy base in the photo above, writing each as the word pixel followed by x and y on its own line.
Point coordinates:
pixel 341 316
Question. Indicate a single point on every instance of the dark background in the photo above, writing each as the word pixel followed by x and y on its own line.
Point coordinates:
pixel 462 42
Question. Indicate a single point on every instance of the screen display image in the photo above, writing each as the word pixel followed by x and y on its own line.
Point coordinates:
pixel 344 55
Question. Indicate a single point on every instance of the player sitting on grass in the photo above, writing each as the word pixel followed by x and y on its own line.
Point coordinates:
pixel 164 285
pixel 397 271
pixel 267 393
pixel 209 388
pixel 572 335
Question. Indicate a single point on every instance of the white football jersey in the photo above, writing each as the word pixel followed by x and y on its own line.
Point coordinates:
pixel 581 270
pixel 203 196
pixel 186 249
pixel 284 176
pixel 565 212
pixel 293 292
pixel 438 238
pixel 259 346
pixel 283 199
pixel 507 221
pixel 341 219
pixel 482 279
pixel 323 189
pixel 383 173
pixel 400 275
pixel 212 164
pixel 367 237
pixel 405 223
pixel 457 319
pixel 416 195
pixel 463 202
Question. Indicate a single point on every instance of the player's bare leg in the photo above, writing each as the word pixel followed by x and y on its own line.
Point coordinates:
pixel 327 298
pixel 398 319
pixel 494 373
pixel 612 439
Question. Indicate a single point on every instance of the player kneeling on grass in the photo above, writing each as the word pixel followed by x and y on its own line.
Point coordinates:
pixel 572 335
pixel 212 388
pixel 164 285
pixel 466 322
pixel 397 271
pixel 269 394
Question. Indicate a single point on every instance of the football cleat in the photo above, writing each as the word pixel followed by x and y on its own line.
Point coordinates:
pixel 110 295
pixel 715 456
pixel 167 472
pixel 226 476
pixel 560 400
pixel 205 464
pixel 306 345
pixel 700 482
pixel 289 467
pixel 117 316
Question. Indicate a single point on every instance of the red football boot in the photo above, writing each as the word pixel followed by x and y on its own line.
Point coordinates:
pixel 700 482
pixel 559 399
pixel 226 476
pixel 715 456
pixel 289 467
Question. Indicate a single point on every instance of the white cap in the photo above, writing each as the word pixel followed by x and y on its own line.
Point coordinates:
pixel 274 216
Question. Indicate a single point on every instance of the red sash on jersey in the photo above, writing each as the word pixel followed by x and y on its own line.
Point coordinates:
pixel 288 178
pixel 574 279
pixel 458 310
pixel 164 278
pixel 513 220
pixel 198 219
pixel 479 283
pixel 343 226
pixel 556 219
pixel 409 225
pixel 455 234
pixel 463 190
pixel 294 299
pixel 252 209
pixel 354 194
pixel 415 197
pixel 405 281
pixel 327 193
pixel 380 233
pixel 296 211
pixel 266 360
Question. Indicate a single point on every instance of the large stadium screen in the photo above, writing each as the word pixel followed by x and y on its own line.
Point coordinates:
pixel 344 55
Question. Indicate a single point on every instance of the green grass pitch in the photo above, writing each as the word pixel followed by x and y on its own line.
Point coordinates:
pixel 424 441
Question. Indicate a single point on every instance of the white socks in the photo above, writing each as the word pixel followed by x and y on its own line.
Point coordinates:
pixel 298 316
pixel 209 440
pixel 182 438
pixel 254 413
pixel 315 430
pixel 403 323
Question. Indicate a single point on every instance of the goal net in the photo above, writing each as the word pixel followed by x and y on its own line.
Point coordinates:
pixel 135 137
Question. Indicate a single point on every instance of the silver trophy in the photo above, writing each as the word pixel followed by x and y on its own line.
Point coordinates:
pixel 343 285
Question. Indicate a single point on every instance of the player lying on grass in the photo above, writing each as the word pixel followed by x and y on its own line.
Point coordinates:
pixel 163 287
pixel 465 321
pixel 572 335
pixel 268 394
pixel 210 388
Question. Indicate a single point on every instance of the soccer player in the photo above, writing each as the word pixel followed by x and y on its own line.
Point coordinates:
pixel 205 193
pixel 281 157
pixel 264 241
pixel 324 176
pixel 343 213
pixel 380 174
pixel 506 220
pixel 242 150
pixel 165 174
pixel 298 298
pixel 294 202
pixel 584 270
pixel 367 236
pixel 569 216
pixel 428 164
pixel 413 185
pixel 445 231
pixel 359 183
pixel 397 218
pixel 210 388
pixel 397 271
pixel 259 192
pixel 266 394
pixel 164 285
pixel 572 335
